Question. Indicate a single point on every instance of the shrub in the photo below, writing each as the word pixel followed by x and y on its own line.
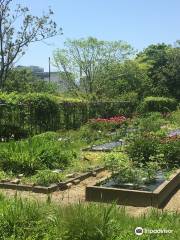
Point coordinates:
pixel 46 177
pixel 56 157
pixel 127 171
pixel 151 122
pixel 107 124
pixel 47 136
pixel 175 117
pixel 90 134
pixel 115 161
pixel 142 147
pixel 17 157
pixel 171 150
pixel 158 104
pixel 3 175
pixel 35 154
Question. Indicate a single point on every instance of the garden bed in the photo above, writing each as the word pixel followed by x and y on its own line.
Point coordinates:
pixel 53 187
pixel 138 198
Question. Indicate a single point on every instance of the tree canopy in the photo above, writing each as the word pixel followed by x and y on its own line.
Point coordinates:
pixel 14 40
pixel 82 60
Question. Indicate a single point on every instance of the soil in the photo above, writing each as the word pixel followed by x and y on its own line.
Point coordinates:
pixel 76 194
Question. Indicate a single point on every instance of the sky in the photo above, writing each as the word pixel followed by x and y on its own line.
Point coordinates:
pixel 138 22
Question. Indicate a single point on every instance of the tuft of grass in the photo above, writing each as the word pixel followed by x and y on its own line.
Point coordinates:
pixel 25 219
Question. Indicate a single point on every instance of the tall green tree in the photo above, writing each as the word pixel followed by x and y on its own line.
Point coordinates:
pixel 164 69
pixel 82 60
pixel 156 57
pixel 120 80
pixel 18 29
pixel 24 81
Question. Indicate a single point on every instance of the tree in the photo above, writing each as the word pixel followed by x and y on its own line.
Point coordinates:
pixel 13 41
pixel 164 69
pixel 120 80
pixel 171 73
pixel 82 60
pixel 22 80
pixel 156 57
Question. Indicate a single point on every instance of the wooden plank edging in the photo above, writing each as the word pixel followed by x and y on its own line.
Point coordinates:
pixel 53 187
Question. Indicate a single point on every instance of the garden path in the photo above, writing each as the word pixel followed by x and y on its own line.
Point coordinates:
pixel 76 194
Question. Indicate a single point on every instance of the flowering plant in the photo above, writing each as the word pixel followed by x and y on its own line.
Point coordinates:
pixel 115 119
pixel 107 124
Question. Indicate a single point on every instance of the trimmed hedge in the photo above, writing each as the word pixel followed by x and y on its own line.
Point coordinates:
pixel 158 104
pixel 21 115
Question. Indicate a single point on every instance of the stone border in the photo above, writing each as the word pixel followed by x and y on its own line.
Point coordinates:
pixel 135 197
pixel 53 187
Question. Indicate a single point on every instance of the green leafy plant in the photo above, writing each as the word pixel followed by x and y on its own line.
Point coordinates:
pixel 47 177
pixel 151 122
pixel 29 219
pixel 158 104
pixel 142 147
pixel 171 151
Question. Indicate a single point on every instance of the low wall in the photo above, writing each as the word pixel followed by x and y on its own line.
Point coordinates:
pixel 53 187
pixel 134 197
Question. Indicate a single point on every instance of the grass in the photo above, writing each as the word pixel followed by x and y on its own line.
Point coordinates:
pixel 36 157
pixel 25 219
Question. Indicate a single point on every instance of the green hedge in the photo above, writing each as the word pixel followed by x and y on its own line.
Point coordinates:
pixel 21 115
pixel 158 104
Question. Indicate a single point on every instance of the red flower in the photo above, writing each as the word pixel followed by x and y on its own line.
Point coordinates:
pixel 115 119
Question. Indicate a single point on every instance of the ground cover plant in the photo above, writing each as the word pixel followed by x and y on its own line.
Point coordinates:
pixel 38 157
pixel 152 146
pixel 27 219
pixel 47 158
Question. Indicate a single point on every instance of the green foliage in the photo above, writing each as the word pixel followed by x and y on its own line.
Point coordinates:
pixel 142 147
pixel 16 37
pixel 36 113
pixel 56 157
pixel 22 80
pixel 171 151
pixel 163 72
pixel 122 80
pixel 175 117
pixel 151 122
pixel 164 69
pixel 116 161
pixel 3 175
pixel 23 114
pixel 89 134
pixel 106 126
pixel 35 154
pixel 25 219
pixel 125 170
pixel 11 131
pixel 46 177
pixel 158 104
pixel 90 56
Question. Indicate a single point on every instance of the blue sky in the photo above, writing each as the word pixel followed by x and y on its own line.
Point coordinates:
pixel 139 22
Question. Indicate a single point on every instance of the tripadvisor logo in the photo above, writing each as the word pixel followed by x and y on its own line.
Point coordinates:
pixel 139 231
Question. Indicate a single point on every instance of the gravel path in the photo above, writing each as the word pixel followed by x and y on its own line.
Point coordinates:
pixel 174 203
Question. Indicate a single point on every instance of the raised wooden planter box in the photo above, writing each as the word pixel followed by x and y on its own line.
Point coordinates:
pixel 83 176
pixel 134 197
pixel 53 187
